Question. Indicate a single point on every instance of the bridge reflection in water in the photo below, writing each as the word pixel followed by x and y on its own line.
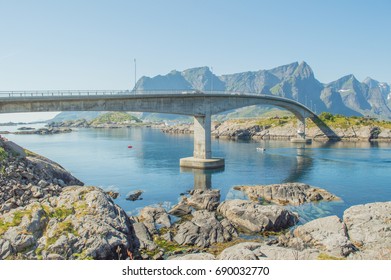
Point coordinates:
pixel 302 164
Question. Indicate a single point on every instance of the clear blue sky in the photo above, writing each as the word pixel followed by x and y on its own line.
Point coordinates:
pixel 91 44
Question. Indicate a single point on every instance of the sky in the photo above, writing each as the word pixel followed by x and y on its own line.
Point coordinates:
pixel 92 44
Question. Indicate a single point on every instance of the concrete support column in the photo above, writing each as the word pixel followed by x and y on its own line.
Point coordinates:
pixel 300 135
pixel 202 137
pixel 301 128
pixel 202 154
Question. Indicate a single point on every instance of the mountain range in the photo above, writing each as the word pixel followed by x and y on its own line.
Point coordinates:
pixel 345 96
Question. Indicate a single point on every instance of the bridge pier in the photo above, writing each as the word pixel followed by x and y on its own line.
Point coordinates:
pixel 202 155
pixel 300 135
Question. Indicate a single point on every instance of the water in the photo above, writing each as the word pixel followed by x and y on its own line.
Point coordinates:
pixel 356 172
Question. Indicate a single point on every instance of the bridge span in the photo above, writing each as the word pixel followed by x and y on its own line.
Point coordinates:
pixel 200 105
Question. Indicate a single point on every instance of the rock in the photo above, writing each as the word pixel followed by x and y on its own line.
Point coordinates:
pixel 134 196
pixel 5 249
pixel 326 234
pixel 194 256
pixel 143 238
pixel 369 229
pixel 203 230
pixel 256 218
pixel 181 209
pixel 242 251
pixel 288 193
pixel 204 199
pixel 82 222
pixel 281 253
pixel 156 215
pixel 112 194
pixel 54 257
pixel 158 256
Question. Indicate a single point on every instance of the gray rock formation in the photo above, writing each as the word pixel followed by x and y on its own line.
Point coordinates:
pixel 204 229
pixel 242 251
pixel 27 177
pixel 194 256
pixel 155 215
pixel 369 229
pixel 288 193
pixel 325 234
pixel 82 222
pixel 204 199
pixel 255 218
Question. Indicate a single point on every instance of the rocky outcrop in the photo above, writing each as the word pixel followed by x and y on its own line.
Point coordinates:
pixel 288 193
pixel 204 229
pixel 26 177
pixel 81 123
pixel 204 199
pixel 155 215
pixel 325 234
pixel 194 256
pixel 242 251
pixel 254 218
pixel 369 229
pixel 82 222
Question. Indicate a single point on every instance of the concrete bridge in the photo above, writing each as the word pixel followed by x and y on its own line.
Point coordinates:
pixel 195 103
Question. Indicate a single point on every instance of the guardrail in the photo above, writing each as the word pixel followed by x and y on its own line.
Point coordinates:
pixel 40 93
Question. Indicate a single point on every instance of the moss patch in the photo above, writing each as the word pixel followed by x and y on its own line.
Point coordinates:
pixel 324 256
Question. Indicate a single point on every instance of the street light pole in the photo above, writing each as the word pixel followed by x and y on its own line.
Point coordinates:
pixel 135 72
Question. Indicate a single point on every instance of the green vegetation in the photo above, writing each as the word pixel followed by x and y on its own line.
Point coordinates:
pixel 114 118
pixel 339 121
pixel 3 154
pixel 324 256
pixel 275 121
pixel 16 220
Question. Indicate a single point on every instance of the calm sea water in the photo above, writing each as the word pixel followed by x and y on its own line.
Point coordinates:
pixel 356 172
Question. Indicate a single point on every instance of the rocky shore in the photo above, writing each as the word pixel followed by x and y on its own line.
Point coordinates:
pixel 285 128
pixel 46 213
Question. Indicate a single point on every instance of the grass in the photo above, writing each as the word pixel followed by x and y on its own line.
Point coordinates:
pixel 114 117
pixel 16 220
pixel 3 154
pixel 324 256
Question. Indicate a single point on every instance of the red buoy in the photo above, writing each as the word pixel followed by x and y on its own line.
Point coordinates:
pixel 129 147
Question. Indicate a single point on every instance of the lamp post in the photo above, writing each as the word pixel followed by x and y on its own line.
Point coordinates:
pixel 135 71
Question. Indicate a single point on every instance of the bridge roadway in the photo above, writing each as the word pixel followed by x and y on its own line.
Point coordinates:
pixel 200 105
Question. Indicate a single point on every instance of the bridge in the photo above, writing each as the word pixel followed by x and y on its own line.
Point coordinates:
pixel 200 105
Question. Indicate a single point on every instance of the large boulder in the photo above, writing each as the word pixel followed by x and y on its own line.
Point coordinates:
pixel 193 256
pixel 204 199
pixel 204 229
pixel 287 193
pixel 369 229
pixel 155 215
pixel 255 218
pixel 83 222
pixel 242 251
pixel 326 234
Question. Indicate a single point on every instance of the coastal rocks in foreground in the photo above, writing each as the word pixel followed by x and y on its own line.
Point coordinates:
pixel 81 223
pixel 288 193
pixel 204 229
pixel 327 234
pixel 254 218
pixel 26 177
pixel 198 200
pixel 369 229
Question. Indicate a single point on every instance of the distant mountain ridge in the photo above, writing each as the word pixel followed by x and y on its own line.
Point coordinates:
pixel 346 96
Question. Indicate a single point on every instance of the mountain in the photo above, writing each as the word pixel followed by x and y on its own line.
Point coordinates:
pixel 345 96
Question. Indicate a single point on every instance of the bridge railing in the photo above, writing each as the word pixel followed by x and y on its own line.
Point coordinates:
pixel 59 93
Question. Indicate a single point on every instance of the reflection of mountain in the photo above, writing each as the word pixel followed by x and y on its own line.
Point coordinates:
pixel 345 96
